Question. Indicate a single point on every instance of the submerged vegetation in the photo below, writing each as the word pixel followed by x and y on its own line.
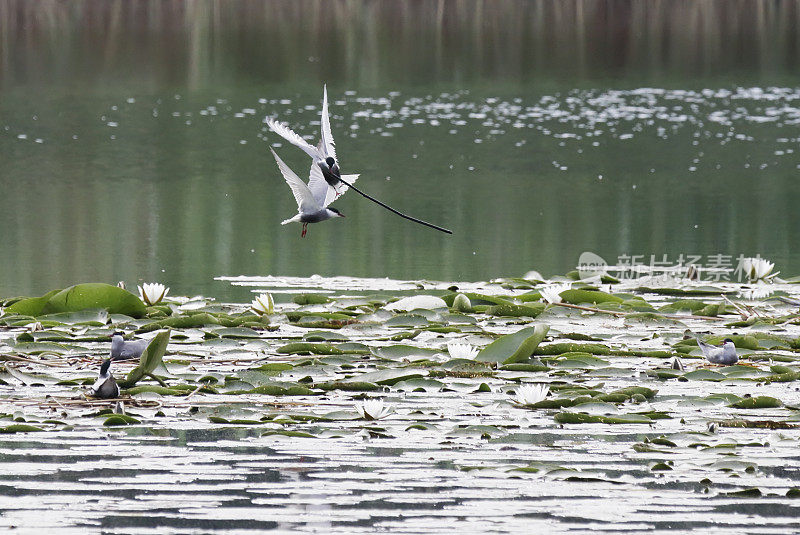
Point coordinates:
pixel 515 365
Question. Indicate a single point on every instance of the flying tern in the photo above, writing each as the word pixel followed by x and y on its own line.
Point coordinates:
pixel 312 199
pixel 324 157
pixel 324 154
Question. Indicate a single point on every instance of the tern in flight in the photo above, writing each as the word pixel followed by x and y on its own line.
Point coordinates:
pixel 312 199
pixel 324 158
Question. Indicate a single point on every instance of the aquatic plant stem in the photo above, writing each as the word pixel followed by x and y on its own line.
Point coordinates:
pixel 742 312
pixel 157 379
pixel 195 391
pixel 17 358
pixel 376 201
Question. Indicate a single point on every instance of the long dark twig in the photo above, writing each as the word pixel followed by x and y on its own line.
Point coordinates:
pixel 414 219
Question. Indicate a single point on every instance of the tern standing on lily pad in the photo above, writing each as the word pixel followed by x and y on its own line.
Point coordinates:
pixel 124 350
pixel 106 386
pixel 725 355
pixel 324 158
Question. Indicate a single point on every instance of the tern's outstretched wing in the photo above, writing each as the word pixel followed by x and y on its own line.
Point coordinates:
pixel 331 195
pixel 306 203
pixel 289 135
pixel 328 145
pixel 317 184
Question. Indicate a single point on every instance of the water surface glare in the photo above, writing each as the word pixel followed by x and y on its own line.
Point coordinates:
pixel 524 182
pixel 454 450
pixel 132 145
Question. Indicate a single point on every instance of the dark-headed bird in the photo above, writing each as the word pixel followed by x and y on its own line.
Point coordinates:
pixel 106 386
pixel 725 355
pixel 124 350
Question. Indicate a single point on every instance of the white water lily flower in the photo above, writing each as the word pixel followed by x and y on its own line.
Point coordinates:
pixel 263 304
pixel 552 292
pixel 152 293
pixel 37 326
pixel 760 291
pixel 757 268
pixel 372 409
pixel 461 351
pixel 530 394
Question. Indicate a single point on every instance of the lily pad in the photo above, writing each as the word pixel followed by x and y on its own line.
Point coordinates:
pixel 419 385
pixel 571 347
pixel 577 296
pixel 399 352
pixel 704 375
pixel 95 295
pixel 516 310
pixel 311 299
pixel 581 418
pixel 516 347
pixel 149 360
pixel 578 360
pixel 120 419
pixel 407 304
pixel 31 306
pixel 760 402
pixel 390 376
pixel 19 428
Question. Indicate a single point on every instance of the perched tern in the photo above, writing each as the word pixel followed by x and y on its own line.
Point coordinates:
pixel 324 157
pixel 106 386
pixel 312 199
pixel 122 350
pixel 725 355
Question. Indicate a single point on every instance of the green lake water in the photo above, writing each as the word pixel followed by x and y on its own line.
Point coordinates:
pixel 133 147
pixel 132 142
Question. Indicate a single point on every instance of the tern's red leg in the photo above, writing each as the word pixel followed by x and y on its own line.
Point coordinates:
pixel 305 229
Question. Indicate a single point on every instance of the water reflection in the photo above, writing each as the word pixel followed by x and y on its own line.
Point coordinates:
pixel 132 144
pixel 224 480
pixel 201 44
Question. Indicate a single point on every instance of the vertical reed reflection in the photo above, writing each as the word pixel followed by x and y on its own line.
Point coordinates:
pixel 371 43
pixel 185 196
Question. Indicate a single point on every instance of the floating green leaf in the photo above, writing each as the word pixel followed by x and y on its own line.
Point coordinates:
pixel 516 310
pixel 150 359
pixel 311 299
pixel 704 375
pixel 571 347
pixel 95 295
pixel 286 433
pixel 760 402
pixel 31 306
pixel 581 418
pixel 400 352
pixel 516 347
pixel 390 376
pixel 308 347
pixel 120 419
pixel 577 296
pixel 19 428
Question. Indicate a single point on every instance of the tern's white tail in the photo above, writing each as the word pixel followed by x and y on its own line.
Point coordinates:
pixel 291 220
